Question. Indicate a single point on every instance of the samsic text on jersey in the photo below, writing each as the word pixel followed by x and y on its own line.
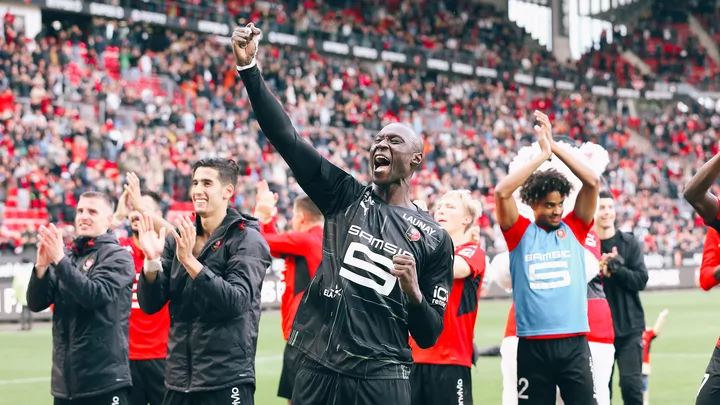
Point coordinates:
pixel 353 318
pixel 455 346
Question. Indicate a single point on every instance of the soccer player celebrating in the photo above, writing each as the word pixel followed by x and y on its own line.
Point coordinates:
pixel 302 250
pixel 441 374
pixel 697 193
pixel 148 333
pixel 547 265
pixel 211 272
pixel 387 265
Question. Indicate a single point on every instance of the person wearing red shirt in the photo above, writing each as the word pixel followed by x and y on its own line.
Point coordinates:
pixel 148 333
pixel 302 249
pixel 441 374
pixel 648 336
pixel 697 193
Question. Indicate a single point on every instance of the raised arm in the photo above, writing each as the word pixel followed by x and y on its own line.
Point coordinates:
pixel 586 203
pixel 697 192
pixel 505 207
pixel 328 186
pixel 153 288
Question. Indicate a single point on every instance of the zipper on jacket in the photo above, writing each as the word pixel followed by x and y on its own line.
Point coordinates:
pixel 66 370
pixel 189 351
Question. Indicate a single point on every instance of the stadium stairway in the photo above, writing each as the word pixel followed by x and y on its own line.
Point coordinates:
pixel 704 38
pixel 17 219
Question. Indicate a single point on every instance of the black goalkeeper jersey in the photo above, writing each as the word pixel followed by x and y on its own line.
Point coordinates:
pixel 354 318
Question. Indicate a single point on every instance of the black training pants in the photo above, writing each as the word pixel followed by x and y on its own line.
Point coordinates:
pixel 628 355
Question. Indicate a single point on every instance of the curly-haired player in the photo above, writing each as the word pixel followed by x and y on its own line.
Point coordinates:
pixel 549 282
pixel 537 187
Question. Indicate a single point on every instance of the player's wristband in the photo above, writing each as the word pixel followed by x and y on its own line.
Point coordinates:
pixel 152 266
pixel 116 222
pixel 250 66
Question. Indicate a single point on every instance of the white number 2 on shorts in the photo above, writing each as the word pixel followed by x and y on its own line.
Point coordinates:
pixel 705 378
pixel 525 384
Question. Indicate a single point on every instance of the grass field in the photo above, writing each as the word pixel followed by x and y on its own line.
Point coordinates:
pixel 680 354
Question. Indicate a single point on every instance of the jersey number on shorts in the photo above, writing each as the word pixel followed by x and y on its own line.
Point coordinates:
pixel 523 383
pixel 549 275
pixel 372 267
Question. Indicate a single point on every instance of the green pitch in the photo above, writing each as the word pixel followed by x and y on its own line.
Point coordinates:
pixel 680 354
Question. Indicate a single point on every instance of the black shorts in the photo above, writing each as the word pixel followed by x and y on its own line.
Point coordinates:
pixel 117 397
pixel 243 394
pixel 543 364
pixel 148 378
pixel 291 364
pixel 316 385
pixel 440 384
pixel 709 392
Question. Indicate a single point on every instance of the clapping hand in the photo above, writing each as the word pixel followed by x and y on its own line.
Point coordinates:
pixel 605 268
pixel 543 132
pixel 43 259
pixel 123 207
pixel 132 188
pixel 151 243
pixel 51 241
pixel 185 237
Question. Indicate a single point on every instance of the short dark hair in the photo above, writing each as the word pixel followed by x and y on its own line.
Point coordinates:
pixel 542 183
pixel 155 197
pixel 305 204
pixel 228 170
pixel 606 194
pixel 101 196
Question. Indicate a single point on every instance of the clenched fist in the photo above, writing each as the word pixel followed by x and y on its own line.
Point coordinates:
pixel 245 44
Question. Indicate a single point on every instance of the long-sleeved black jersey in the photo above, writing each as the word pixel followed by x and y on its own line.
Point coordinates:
pixel 354 318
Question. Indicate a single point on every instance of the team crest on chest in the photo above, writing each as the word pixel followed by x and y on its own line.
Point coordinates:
pixel 88 263
pixel 560 233
pixel 412 234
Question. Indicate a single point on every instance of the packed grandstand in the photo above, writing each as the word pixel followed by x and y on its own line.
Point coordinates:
pixel 89 98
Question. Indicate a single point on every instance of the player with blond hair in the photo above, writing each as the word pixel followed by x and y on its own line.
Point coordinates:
pixel 441 374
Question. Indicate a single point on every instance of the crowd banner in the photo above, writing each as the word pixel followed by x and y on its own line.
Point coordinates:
pixel 411 57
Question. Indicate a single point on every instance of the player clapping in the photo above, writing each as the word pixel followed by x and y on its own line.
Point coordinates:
pixel 210 271
pixel 148 333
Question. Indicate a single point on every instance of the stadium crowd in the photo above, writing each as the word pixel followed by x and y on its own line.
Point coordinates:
pixel 187 104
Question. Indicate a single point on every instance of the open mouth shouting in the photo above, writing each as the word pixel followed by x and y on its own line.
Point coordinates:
pixel 381 163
